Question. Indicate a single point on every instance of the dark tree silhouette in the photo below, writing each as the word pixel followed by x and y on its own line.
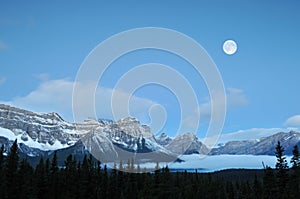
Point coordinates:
pixel 1 157
pixel 41 179
pixel 281 166
pixel 296 158
pixel 2 183
pixel 294 182
pixel 25 180
pixel 54 182
pixel 11 171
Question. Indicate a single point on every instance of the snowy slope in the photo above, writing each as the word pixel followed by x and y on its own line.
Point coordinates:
pixel 30 142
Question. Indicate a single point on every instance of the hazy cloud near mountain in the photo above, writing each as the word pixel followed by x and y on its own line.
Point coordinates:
pixel 56 96
pixel 293 121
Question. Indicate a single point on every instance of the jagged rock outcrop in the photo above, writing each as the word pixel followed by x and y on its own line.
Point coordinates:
pixel 187 143
pixel 163 139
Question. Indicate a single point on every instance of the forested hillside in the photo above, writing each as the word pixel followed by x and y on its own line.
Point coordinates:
pixel 90 179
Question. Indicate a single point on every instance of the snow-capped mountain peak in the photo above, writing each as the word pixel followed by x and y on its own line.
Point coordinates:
pixel 106 139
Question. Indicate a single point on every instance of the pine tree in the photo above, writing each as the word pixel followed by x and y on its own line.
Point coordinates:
pixel 138 169
pixel 47 169
pixel 2 165
pixel 54 178
pixel 281 166
pixel 78 178
pixel 120 177
pixel 91 163
pixel 296 158
pixel 84 178
pixel 98 176
pixel 54 167
pixel 131 165
pixel 128 165
pixel 143 145
pixel 139 146
pixel 40 179
pixel 157 179
pixel 11 171
pixel 121 166
pixel 166 183
pixel 1 159
pixel 104 184
pixel 25 180
pixel 157 169
pixel 70 181
pixel 70 164
pixel 294 182
pixel 269 182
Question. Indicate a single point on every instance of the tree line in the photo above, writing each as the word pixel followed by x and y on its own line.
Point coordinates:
pixel 91 179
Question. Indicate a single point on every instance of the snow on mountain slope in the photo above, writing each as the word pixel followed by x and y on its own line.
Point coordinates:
pixel 47 131
pixel 30 142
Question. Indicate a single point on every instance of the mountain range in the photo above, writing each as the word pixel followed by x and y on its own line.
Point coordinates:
pixel 43 133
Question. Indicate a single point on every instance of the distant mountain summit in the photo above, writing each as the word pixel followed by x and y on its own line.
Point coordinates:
pixel 163 139
pixel 263 146
pixel 187 143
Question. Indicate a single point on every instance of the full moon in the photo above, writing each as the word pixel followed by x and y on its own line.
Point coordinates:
pixel 229 47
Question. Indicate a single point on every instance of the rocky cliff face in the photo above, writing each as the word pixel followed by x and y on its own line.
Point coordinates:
pixel 45 128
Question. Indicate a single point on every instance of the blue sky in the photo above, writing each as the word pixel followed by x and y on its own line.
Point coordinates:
pixel 43 44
